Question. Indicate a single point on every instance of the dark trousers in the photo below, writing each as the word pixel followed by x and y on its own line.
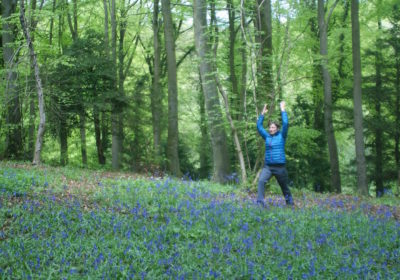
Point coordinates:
pixel 280 173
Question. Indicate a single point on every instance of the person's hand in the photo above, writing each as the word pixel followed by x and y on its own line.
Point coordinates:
pixel 283 106
pixel 264 110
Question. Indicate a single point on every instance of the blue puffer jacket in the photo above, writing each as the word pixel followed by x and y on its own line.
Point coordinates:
pixel 274 144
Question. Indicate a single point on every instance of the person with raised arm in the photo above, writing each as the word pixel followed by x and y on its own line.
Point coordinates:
pixel 275 159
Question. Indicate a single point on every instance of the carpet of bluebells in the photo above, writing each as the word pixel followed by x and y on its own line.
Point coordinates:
pixel 181 229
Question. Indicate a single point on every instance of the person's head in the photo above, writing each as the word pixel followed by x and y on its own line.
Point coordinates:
pixel 273 127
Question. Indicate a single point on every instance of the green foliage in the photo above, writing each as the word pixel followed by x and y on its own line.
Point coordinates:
pixel 301 147
pixel 78 77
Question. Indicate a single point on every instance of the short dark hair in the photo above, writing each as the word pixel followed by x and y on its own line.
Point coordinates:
pixel 276 123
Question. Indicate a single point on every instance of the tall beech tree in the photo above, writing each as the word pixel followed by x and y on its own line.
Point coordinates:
pixel 115 105
pixel 378 176
pixel 156 89
pixel 319 163
pixel 32 86
pixel 362 183
pixel 328 119
pixel 228 111
pixel 221 163
pixel 173 132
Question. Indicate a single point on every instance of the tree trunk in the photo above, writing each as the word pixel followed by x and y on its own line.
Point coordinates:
pixel 32 116
pixel 156 97
pixel 98 138
pixel 319 161
pixel 73 23
pixel 14 147
pixel 53 9
pixel 140 140
pixel 115 110
pixel 243 89
pixel 172 148
pixel 121 76
pixel 362 184
pixel 236 104
pixel 396 46
pixel 100 117
pixel 328 120
pixel 82 126
pixel 214 115
pixel 31 86
pixel 340 80
pixel 265 84
pixel 63 136
pixel 238 147
pixel 397 133
pixel 204 140
pixel 378 128
pixel 42 115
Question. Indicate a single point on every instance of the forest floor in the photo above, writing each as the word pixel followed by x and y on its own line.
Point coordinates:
pixel 87 183
pixel 89 224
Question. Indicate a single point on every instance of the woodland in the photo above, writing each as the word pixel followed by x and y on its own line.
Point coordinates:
pixel 129 147
pixel 175 88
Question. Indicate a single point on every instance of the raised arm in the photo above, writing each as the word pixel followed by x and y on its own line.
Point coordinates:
pixel 285 120
pixel 260 121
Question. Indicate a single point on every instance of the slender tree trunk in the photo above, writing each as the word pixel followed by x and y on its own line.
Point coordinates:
pixel 60 30
pixel 121 76
pixel 243 88
pixel 378 128
pixel 362 183
pixel 105 131
pixel 115 110
pixel 265 84
pixel 97 132
pixel 32 86
pixel 137 145
pixel 204 142
pixel 218 134
pixel 100 116
pixel 397 133
pixel 328 120
pixel 53 9
pixel 156 97
pixel 236 105
pixel 172 149
pixel 339 83
pixel 82 126
pixel 73 23
pixel 106 35
pixel 396 47
pixel 238 147
pixel 42 115
pixel 63 136
pixel 32 116
pixel 14 147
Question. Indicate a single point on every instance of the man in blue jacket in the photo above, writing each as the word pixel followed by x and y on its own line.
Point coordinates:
pixel 275 160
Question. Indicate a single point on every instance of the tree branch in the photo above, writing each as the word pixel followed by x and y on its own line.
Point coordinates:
pixel 189 51
pixel 330 12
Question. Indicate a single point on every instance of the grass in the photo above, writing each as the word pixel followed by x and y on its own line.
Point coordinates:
pixel 77 224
